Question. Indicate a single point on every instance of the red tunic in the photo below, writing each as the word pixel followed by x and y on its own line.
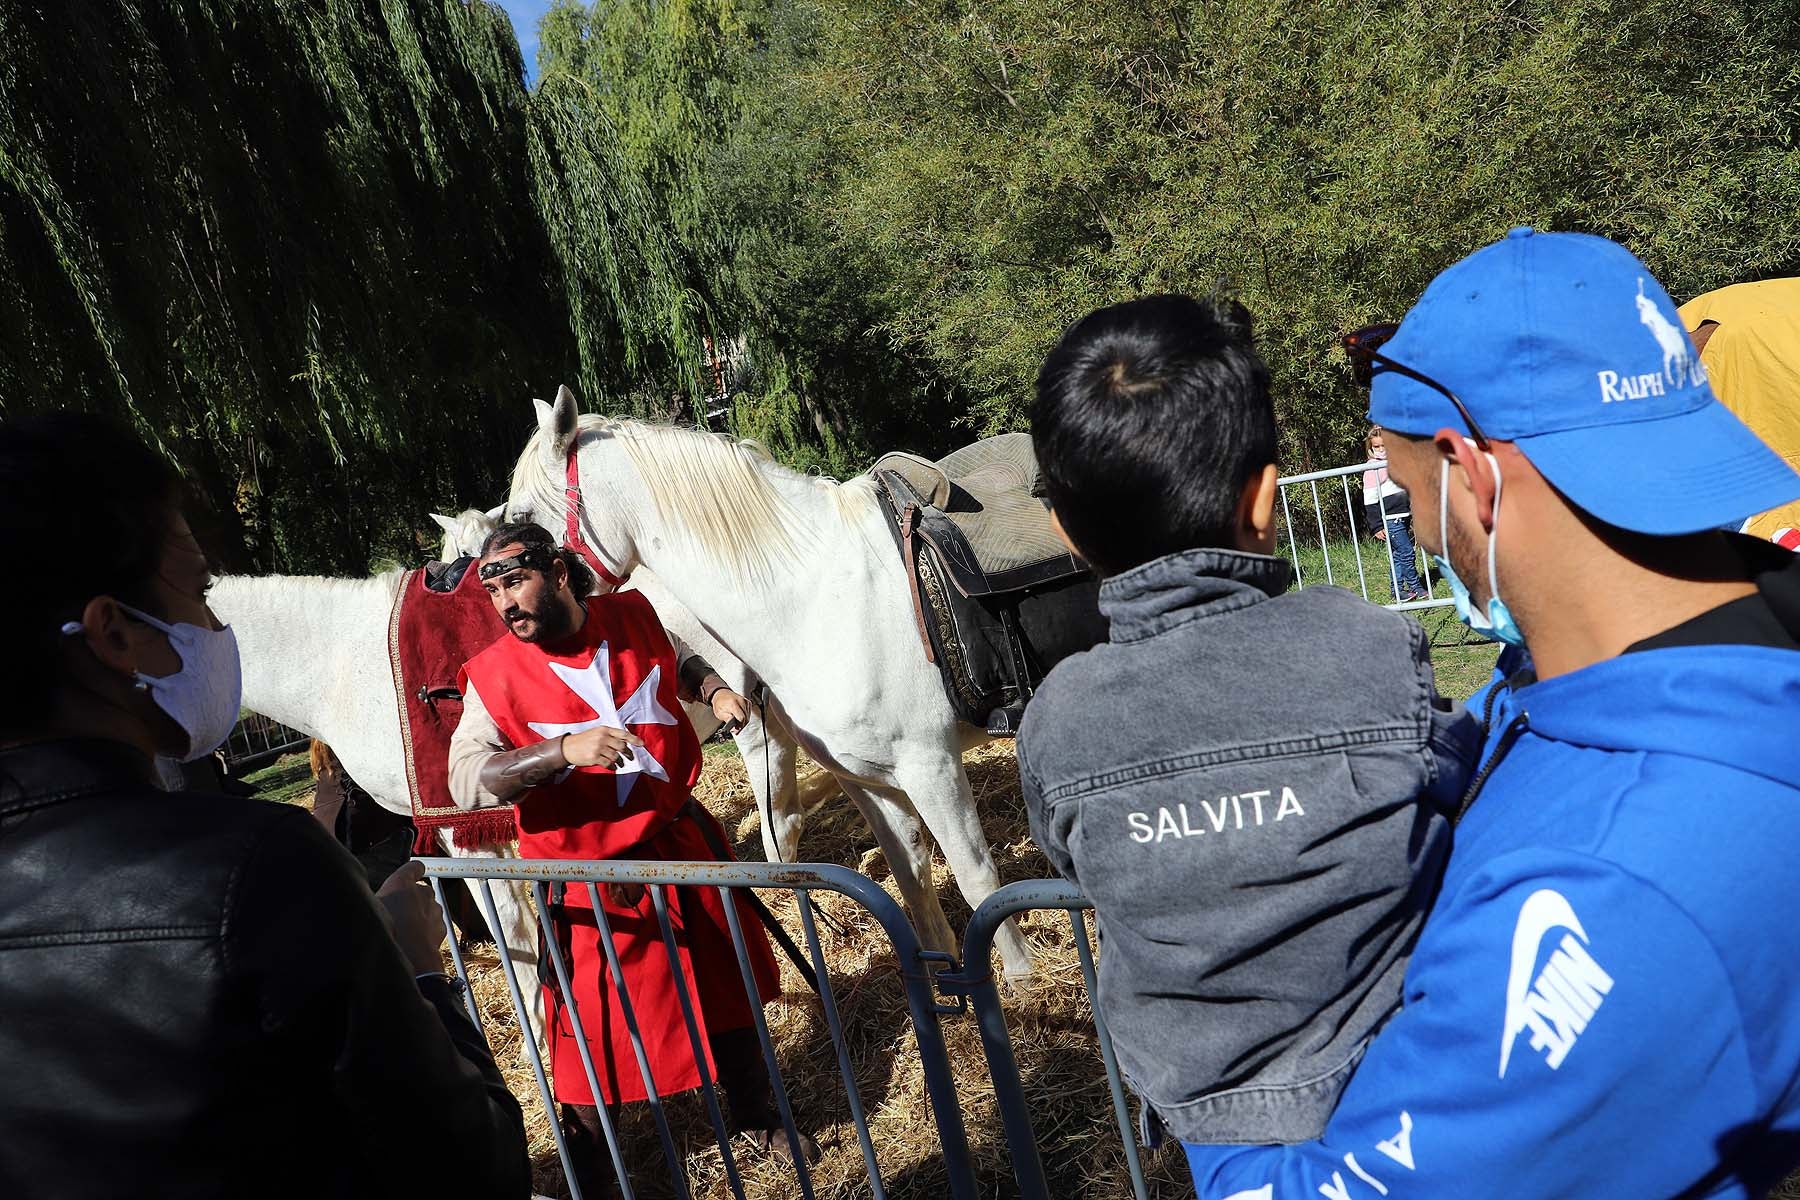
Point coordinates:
pixel 620 671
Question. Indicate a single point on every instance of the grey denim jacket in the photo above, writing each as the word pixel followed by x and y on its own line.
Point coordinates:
pixel 1251 787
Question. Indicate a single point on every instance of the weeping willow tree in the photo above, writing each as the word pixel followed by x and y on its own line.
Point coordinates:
pixel 692 173
pixel 632 97
pixel 639 327
pixel 294 244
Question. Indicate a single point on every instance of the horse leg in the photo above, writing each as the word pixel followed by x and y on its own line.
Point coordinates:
pixel 906 845
pixel 940 791
pixel 769 762
pixel 518 932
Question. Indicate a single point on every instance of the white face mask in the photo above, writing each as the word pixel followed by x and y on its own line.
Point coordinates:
pixel 203 696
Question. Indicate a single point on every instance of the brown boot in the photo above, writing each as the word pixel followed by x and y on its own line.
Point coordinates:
pixel 744 1078
pixel 589 1160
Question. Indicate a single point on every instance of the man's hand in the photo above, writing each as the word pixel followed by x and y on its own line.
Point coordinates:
pixel 413 916
pixel 731 709
pixel 599 748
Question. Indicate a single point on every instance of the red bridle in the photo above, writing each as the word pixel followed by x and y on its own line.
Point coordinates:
pixel 572 527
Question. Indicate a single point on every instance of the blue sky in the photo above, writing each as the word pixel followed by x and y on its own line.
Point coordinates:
pixel 525 14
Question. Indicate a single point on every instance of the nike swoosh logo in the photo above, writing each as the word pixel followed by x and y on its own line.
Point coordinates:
pixel 1542 911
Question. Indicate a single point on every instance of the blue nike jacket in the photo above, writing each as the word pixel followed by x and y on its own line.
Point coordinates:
pixel 1605 999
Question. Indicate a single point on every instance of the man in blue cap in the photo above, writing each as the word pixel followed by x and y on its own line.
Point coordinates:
pixel 1605 999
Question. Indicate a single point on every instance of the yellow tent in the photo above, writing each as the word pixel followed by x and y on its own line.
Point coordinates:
pixel 1753 359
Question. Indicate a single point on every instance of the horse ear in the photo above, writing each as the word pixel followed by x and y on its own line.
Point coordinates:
pixel 566 412
pixel 447 524
pixel 557 422
pixel 496 513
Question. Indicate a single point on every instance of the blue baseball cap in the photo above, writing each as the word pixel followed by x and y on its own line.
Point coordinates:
pixel 1564 344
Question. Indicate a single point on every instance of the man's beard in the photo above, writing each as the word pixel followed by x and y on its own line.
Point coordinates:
pixel 550 622
pixel 1469 556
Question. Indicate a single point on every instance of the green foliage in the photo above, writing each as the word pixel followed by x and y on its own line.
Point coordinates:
pixel 628 98
pixel 1017 162
pixel 322 252
pixel 692 108
pixel 290 242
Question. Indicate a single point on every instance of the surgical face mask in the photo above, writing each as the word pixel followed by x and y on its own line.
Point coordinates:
pixel 203 696
pixel 1497 622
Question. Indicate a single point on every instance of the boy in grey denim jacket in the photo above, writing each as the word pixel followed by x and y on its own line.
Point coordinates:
pixel 1249 783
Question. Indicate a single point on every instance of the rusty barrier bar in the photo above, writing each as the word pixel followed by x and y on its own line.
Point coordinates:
pixel 667 884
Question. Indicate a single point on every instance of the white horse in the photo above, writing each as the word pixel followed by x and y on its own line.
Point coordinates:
pixel 799 577
pixel 769 753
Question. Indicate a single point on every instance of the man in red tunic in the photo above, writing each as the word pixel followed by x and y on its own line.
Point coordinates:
pixel 574 718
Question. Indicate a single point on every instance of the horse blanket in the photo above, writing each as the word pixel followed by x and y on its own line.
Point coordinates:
pixel 441 619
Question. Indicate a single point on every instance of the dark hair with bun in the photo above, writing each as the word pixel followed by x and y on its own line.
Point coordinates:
pixel 1150 418
pixel 87 506
pixel 534 536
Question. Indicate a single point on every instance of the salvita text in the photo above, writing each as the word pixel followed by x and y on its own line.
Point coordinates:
pixel 1193 818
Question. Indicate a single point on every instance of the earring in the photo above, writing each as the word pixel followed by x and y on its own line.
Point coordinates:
pixel 71 628
pixel 138 685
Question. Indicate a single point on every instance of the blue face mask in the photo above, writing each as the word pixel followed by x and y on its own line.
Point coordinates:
pixel 1497 622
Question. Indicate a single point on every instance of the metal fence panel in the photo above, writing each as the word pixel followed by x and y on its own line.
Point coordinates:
pixel 1324 540
pixel 663 879
pixel 976 982
pixel 256 740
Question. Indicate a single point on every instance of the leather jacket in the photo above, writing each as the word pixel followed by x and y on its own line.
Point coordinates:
pixel 199 997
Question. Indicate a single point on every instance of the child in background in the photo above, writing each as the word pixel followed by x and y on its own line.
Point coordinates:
pixel 1388 511
pixel 1248 782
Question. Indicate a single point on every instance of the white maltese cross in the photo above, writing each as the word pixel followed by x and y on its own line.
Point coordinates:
pixel 593 684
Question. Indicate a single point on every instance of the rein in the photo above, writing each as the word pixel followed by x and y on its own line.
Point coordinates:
pixel 574 515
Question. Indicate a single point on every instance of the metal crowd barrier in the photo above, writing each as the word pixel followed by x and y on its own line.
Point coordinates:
pixel 1318 515
pixel 972 987
pixel 660 877
pixel 256 740
pixel 976 982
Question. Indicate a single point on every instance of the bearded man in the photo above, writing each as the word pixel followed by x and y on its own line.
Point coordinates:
pixel 573 718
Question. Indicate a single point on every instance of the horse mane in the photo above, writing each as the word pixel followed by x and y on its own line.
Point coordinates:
pixel 729 499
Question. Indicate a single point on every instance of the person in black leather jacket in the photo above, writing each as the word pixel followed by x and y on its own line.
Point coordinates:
pixel 192 986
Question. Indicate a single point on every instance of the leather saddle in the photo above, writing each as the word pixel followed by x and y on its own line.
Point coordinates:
pixel 997 598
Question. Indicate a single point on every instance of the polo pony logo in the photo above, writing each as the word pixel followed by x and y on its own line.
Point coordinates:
pixel 1681 367
pixel 1678 353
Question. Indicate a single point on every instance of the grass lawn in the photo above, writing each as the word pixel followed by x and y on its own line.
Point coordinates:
pixel 287 780
pixel 1360 566
pixel 1463 661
